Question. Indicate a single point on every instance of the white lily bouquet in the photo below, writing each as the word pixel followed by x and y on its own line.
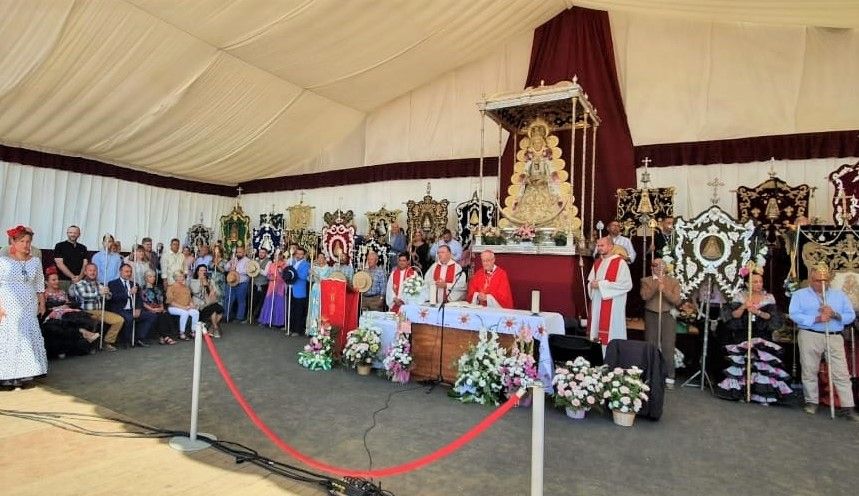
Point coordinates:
pixel 479 378
pixel 625 391
pixel 362 345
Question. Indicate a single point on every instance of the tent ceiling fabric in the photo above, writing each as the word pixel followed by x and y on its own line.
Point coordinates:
pixel 227 91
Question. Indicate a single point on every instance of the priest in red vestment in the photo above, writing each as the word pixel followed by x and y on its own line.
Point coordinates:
pixel 490 286
pixel 394 290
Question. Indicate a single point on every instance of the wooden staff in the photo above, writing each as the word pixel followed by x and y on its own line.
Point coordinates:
pixel 749 339
pixel 828 358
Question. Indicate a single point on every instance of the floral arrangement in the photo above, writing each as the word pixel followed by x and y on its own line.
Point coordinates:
pixel 479 377
pixel 362 345
pixel 398 360
pixel 317 354
pixel 413 286
pixel 492 236
pixel 624 390
pixel 578 385
pixel 560 238
pixel 525 232
pixel 519 369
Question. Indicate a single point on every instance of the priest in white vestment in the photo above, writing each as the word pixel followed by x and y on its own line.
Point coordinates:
pixel 608 283
pixel 444 280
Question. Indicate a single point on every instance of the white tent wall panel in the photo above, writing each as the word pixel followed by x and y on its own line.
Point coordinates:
pixel 693 195
pixel 50 200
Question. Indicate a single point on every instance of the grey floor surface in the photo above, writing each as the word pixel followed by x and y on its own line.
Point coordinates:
pixel 701 446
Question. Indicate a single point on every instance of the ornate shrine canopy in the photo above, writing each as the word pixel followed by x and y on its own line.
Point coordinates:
pixel 515 111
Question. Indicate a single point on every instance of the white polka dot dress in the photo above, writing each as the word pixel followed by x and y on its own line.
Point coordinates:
pixel 22 349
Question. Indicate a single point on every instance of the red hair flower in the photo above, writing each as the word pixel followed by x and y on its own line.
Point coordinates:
pixel 18 231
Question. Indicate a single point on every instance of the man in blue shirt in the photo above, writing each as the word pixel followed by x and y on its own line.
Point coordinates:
pixel 815 319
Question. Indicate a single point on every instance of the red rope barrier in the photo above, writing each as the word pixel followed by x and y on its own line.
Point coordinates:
pixel 442 452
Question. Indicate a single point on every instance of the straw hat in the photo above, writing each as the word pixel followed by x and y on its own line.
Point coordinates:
pixel 253 268
pixel 362 282
pixel 619 250
pixel 232 278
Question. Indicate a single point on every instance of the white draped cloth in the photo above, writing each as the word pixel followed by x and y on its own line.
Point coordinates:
pixel 609 290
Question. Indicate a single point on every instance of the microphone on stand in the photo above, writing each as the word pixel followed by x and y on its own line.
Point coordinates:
pixel 455 279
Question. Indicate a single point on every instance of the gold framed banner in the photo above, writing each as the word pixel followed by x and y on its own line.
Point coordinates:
pixel 628 206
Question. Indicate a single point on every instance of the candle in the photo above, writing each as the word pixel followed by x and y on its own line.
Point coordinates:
pixel 433 295
pixel 535 301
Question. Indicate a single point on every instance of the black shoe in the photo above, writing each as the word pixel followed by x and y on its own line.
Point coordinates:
pixel 142 344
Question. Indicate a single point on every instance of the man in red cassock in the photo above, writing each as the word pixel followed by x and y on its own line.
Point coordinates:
pixel 490 286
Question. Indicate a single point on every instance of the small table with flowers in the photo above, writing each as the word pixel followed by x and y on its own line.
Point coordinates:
pixel 440 342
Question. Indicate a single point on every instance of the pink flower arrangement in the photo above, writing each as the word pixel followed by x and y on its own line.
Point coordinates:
pixel 525 232
pixel 398 360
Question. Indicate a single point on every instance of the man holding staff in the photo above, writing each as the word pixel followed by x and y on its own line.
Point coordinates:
pixel 661 293
pixel 821 313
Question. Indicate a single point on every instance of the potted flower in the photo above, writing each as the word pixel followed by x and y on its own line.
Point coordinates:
pixel 317 354
pixel 362 345
pixel 413 289
pixel 519 369
pixel 398 361
pixel 479 379
pixel 578 387
pixel 492 236
pixel 525 233
pixel 625 392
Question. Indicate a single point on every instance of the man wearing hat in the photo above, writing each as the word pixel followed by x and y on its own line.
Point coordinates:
pixel 298 302
pixel 238 294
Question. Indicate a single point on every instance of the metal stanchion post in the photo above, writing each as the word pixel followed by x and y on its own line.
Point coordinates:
pixel 193 442
pixel 538 412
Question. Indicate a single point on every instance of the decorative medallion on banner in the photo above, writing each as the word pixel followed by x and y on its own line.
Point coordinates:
pixel 338 238
pixel 235 230
pixel 380 223
pixel 845 201
pixel 713 245
pixel 199 235
pixel 660 201
pixel 472 215
pixel 269 234
pixel 428 216
pixel 773 205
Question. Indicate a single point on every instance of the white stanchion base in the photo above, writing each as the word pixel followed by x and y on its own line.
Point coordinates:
pixel 187 445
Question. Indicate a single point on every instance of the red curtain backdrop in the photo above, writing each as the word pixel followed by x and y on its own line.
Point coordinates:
pixel 757 149
pixel 577 42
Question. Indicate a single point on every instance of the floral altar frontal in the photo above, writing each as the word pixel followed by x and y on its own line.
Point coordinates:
pixel 463 321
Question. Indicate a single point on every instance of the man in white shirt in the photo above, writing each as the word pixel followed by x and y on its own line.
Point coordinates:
pixel 620 240
pixel 444 280
pixel 171 262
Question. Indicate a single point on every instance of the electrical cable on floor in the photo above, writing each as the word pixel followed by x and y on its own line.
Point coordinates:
pixel 367 432
pixel 348 486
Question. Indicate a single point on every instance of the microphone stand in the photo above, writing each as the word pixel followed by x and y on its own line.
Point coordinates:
pixel 705 378
pixel 440 377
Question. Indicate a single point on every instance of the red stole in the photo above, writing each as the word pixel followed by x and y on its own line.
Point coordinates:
pixel 448 277
pixel 606 304
pixel 398 277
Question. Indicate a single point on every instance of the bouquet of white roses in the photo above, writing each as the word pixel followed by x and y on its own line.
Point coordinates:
pixel 398 361
pixel 479 377
pixel 578 386
pixel 317 354
pixel 413 286
pixel 624 390
pixel 362 345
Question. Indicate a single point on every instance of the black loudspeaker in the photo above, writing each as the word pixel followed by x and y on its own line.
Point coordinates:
pixel 566 348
